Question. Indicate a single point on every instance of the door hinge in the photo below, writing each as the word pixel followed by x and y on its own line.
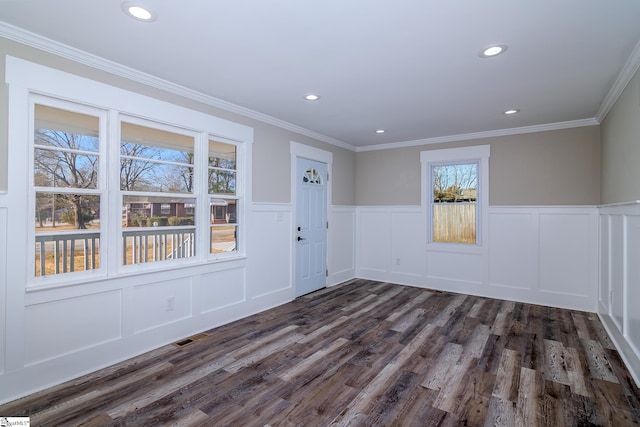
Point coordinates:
pixel 327 225
pixel 326 272
pixel 327 176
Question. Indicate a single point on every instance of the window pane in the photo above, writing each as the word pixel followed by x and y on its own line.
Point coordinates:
pixel 222 182
pixel 144 175
pixel 170 142
pixel 311 176
pixel 157 229
pixel 67 233
pixel 141 211
pixel 224 239
pixel 65 169
pixel 64 142
pixel 222 155
pixel 455 202
pixel 224 229
pixel 222 168
pixel 155 160
pixel 50 120
pixel 223 211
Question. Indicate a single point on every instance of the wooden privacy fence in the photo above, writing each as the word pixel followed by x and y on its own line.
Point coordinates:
pixel 454 222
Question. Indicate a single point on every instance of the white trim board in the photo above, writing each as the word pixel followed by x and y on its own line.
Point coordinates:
pixel 626 74
pixel 480 135
pixel 618 293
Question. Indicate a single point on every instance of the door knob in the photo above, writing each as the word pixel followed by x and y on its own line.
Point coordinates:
pixel 301 238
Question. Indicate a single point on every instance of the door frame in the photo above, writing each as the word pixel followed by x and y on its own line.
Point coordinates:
pixel 299 150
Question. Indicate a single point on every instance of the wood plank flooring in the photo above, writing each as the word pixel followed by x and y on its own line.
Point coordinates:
pixel 365 354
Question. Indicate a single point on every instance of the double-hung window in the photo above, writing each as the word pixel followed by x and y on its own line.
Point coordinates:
pixel 454 206
pixel 224 201
pixel 455 194
pixel 134 195
pixel 68 186
pixel 157 181
pixel 107 182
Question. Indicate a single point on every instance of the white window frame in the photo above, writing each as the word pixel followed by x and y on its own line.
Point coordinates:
pixel 474 154
pixel 101 188
pixel 116 265
pixel 240 196
pixel 26 80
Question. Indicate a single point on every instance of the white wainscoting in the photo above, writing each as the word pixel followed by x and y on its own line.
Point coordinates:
pixel 619 293
pixel 58 328
pixel 54 335
pixel 545 255
pixel 272 236
pixel 341 261
pixel 3 278
pixel 534 254
pixel 151 300
pixel 66 332
pixel 270 249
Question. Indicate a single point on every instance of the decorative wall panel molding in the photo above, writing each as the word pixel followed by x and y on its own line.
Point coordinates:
pixel 619 291
pixel 535 254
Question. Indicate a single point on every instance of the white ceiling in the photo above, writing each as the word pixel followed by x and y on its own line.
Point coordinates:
pixel 408 66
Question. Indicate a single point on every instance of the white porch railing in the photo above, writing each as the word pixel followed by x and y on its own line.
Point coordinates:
pixel 59 251
pixel 157 244
pixel 66 252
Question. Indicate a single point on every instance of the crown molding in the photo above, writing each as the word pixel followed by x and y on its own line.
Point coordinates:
pixel 36 41
pixel 487 134
pixel 625 76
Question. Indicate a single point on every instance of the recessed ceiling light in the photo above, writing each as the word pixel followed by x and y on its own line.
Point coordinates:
pixel 138 11
pixel 492 50
pixel 511 111
pixel 380 131
pixel 312 97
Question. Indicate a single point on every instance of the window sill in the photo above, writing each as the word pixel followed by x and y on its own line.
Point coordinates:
pixel 87 282
pixel 460 248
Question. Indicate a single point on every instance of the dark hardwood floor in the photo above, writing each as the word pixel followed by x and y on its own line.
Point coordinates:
pixel 367 354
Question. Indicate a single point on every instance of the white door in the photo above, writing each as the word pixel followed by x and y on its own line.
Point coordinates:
pixel 311 226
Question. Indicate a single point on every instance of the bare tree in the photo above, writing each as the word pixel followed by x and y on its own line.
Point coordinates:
pixel 61 161
pixel 44 202
pixel 180 178
pixel 135 165
pixel 450 181
pixel 439 183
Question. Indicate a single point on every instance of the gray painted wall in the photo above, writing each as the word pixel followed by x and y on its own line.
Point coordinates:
pixel 560 167
pixel 271 152
pixel 621 147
